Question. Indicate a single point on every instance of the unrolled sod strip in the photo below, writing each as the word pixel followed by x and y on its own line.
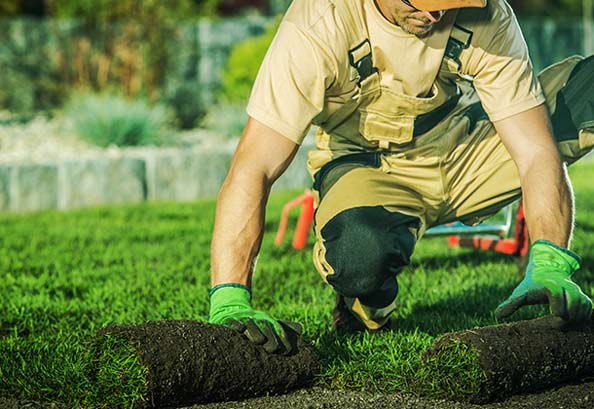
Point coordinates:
pixel 191 362
pixel 521 357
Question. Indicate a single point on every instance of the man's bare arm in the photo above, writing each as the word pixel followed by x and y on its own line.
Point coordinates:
pixel 548 201
pixel 261 157
pixel 547 193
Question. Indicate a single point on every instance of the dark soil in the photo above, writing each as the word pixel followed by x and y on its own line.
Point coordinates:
pixel 526 356
pixel 193 362
pixel 567 397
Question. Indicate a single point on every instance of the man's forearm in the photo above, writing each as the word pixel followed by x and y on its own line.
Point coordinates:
pixel 261 157
pixel 548 201
pixel 238 229
pixel 547 193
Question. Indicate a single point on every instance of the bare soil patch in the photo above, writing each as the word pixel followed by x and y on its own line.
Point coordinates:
pixel 579 396
pixel 574 396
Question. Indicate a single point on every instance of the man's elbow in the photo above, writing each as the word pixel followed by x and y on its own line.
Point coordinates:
pixel 539 160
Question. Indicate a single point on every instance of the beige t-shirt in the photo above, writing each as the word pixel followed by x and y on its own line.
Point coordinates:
pixel 306 75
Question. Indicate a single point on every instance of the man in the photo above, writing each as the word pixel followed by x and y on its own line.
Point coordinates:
pixel 428 112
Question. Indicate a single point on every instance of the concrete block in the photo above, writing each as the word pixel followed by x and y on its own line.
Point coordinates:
pixel 125 181
pixel 81 184
pixel 33 187
pixel 4 188
pixel 296 176
pixel 212 168
pixel 102 181
pixel 188 175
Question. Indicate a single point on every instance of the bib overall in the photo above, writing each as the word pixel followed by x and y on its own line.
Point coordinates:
pixel 413 163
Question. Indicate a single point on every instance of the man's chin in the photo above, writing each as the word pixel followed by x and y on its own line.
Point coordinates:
pixel 419 31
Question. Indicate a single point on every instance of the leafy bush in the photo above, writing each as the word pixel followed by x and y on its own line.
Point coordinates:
pixel 243 64
pixel 96 45
pixel 30 80
pixel 114 120
pixel 105 10
pixel 185 100
pixel 226 119
pixel 8 8
pixel 551 8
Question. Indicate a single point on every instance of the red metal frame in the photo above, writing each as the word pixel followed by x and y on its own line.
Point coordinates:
pixel 306 201
pixel 514 246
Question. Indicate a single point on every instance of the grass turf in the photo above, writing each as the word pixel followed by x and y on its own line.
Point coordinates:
pixel 63 276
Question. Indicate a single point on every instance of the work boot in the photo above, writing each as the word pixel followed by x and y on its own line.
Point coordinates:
pixel 344 321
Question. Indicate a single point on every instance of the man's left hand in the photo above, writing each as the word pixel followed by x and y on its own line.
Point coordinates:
pixel 548 280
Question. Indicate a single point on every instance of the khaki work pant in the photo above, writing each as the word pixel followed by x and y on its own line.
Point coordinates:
pixel 458 171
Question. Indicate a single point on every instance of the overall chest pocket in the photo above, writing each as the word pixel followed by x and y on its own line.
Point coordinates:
pixel 377 126
pixel 389 117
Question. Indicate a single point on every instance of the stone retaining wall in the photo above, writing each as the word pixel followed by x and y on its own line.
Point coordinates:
pixel 127 177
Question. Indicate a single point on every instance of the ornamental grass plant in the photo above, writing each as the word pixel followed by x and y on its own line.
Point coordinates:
pixel 110 119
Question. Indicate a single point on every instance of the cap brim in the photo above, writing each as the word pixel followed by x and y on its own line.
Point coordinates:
pixel 435 5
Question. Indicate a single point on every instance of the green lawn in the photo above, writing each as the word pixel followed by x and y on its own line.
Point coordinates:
pixel 63 276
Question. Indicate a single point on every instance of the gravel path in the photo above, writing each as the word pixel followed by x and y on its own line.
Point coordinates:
pixel 43 140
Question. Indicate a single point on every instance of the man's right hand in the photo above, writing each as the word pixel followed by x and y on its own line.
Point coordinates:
pixel 230 305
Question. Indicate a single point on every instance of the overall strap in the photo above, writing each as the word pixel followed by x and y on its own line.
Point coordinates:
pixel 352 13
pixel 459 40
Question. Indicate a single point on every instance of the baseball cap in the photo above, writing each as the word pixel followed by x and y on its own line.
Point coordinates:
pixel 435 5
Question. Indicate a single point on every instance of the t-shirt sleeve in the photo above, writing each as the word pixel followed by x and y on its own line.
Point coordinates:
pixel 500 64
pixel 290 86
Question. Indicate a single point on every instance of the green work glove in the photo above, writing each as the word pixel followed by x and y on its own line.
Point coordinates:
pixel 230 305
pixel 548 279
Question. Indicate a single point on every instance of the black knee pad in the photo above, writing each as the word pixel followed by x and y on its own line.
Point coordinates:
pixel 575 102
pixel 366 247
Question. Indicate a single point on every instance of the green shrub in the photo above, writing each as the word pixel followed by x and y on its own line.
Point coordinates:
pixel 102 10
pixel 114 120
pixel 30 80
pixel 243 64
pixel 185 101
pixel 226 119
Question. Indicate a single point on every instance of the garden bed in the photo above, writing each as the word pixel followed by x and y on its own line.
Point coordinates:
pixel 43 165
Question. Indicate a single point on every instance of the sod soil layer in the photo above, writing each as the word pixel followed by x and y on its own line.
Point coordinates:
pixel 580 396
pixel 192 362
pixel 525 356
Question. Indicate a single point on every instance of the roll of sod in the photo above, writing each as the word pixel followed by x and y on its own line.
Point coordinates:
pixel 173 363
pixel 514 358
